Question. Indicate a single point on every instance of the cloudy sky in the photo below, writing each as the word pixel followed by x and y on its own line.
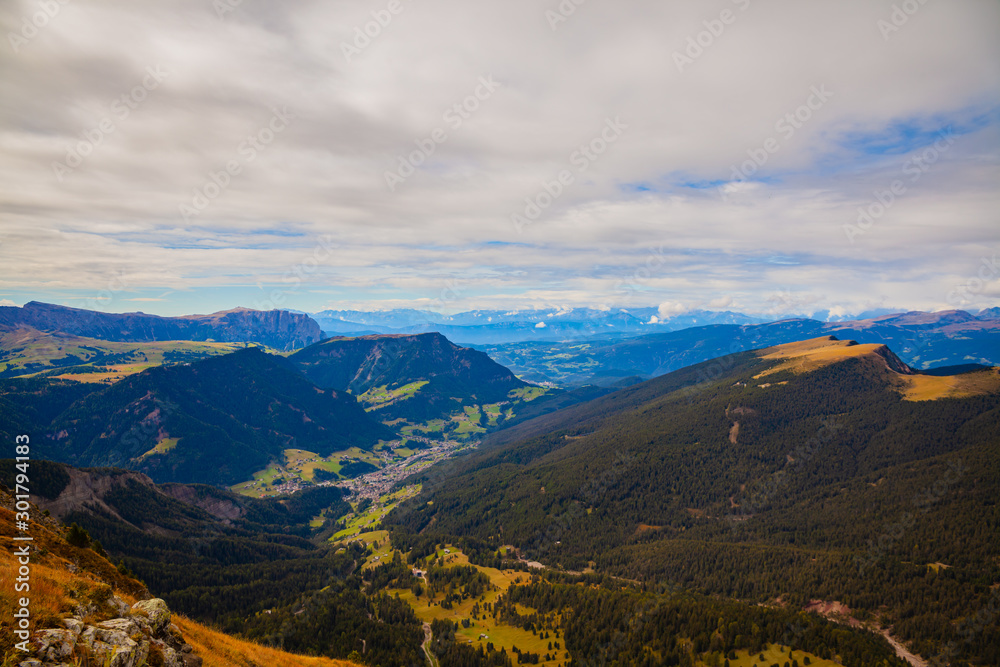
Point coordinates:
pixel 186 156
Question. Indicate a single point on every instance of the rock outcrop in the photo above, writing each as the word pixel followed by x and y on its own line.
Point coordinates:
pixel 135 636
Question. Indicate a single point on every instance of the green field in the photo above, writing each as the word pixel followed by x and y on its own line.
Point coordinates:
pixel 527 393
pixel 507 637
pixel 501 635
pixel 162 447
pixel 378 541
pixel 492 412
pixel 359 525
pixel 468 422
pixel 380 397
pixel 426 429
pixel 25 352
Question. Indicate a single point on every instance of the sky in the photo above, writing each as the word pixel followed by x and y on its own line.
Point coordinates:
pixel 771 157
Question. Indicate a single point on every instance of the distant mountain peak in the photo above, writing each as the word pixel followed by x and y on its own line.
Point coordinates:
pixel 454 376
pixel 278 329
pixel 916 318
pixel 989 314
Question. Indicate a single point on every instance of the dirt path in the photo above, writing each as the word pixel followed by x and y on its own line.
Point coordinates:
pixel 427 646
pixel 839 613
pixel 902 651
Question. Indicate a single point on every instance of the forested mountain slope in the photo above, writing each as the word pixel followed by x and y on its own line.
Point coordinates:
pixel 442 377
pixel 820 470
pixel 215 421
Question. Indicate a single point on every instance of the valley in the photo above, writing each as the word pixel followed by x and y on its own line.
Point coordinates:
pixel 380 469
pixel 922 340
pixel 398 499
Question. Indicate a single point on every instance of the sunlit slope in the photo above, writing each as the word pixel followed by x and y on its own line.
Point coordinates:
pixel 816 470
pixel 27 351
pixel 221 650
pixel 215 421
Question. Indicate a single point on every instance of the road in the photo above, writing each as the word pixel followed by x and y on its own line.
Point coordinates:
pixel 427 646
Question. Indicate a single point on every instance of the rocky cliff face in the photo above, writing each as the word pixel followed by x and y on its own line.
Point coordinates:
pixel 87 488
pixel 279 329
pixel 216 504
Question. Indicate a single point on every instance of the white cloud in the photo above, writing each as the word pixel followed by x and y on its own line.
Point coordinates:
pixel 721 303
pixel 541 325
pixel 672 309
pixel 7 302
pixel 450 221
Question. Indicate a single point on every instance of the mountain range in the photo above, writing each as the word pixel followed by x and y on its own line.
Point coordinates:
pixel 222 418
pixel 492 327
pixel 922 340
pixel 278 329
pixel 496 326
pixel 564 347
pixel 217 420
pixel 694 518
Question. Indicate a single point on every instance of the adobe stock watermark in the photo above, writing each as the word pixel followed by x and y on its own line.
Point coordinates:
pixel 786 126
pixel 117 284
pixel 248 150
pixel 562 13
pixel 296 275
pixel 899 17
pixel 223 7
pixel 714 28
pixel 121 108
pixel 795 462
pixel 450 293
pixel 582 158
pixel 364 35
pixel 31 25
pixel 631 285
pixel 914 168
pixel 454 117
pixel 963 295
pixel 968 628
pixel 923 501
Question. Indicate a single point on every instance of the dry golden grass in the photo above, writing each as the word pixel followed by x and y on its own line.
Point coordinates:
pixel 54 589
pixel 222 650
pixel 809 355
pixel 930 387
